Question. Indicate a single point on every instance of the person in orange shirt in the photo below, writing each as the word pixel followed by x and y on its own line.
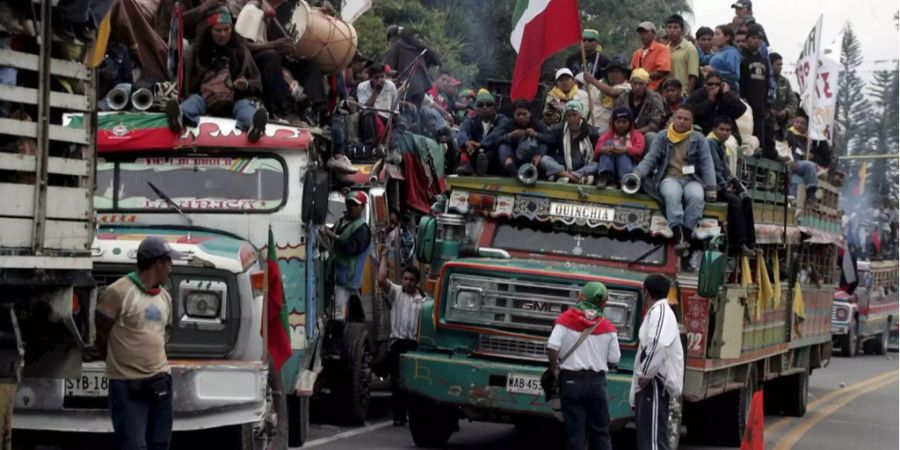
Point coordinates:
pixel 652 56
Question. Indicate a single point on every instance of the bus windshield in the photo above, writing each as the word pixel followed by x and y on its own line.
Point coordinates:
pixel 195 183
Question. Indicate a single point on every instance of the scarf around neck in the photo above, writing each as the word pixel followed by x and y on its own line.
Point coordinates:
pixel 584 146
pixel 794 130
pixel 578 319
pixel 566 96
pixel 675 136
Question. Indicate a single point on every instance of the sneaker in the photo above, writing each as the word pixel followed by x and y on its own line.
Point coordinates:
pixel 340 163
pixel 603 180
pixel 258 126
pixel 588 180
pixel 481 164
pixel 563 180
pixel 511 170
pixel 174 117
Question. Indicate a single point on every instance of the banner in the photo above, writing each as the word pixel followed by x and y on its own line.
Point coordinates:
pixel 819 99
pixel 354 8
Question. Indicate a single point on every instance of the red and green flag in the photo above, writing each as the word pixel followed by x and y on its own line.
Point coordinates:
pixel 540 29
pixel 277 316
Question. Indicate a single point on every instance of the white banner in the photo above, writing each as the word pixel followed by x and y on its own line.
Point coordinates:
pixel 354 8
pixel 817 98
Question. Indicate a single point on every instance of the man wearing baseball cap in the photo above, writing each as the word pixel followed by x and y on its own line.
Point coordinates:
pixel 132 318
pixel 565 91
pixel 652 56
pixel 351 240
pixel 593 51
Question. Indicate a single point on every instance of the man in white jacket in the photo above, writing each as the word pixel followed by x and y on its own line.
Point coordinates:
pixel 658 368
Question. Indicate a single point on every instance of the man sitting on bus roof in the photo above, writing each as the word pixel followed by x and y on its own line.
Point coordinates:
pixel 521 140
pixel 572 157
pixel 680 168
pixel 618 149
pixel 377 98
pixel 806 168
pixel 741 228
pixel 473 135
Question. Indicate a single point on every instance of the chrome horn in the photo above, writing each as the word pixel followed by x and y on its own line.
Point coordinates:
pixel 631 184
pixel 528 174
pixel 118 97
pixel 142 99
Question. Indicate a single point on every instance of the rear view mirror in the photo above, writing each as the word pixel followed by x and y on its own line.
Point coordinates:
pixel 426 239
pixel 316 187
pixel 712 270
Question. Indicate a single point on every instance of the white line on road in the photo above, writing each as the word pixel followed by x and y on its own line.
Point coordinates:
pixel 347 434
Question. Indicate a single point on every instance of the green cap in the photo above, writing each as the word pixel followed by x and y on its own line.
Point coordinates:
pixel 466 93
pixel 594 292
pixel 575 105
pixel 590 34
pixel 485 95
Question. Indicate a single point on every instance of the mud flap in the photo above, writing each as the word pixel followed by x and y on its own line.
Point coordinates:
pixel 11 354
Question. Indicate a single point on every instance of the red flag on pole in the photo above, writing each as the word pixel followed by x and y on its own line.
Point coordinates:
pixel 540 29
pixel 279 341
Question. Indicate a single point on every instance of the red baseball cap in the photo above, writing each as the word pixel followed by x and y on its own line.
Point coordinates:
pixel 454 82
pixel 358 197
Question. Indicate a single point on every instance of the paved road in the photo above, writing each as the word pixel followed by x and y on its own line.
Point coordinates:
pixel 853 403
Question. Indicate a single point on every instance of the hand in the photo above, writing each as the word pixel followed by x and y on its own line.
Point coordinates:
pixel 536 159
pixel 268 10
pixel 555 372
pixel 713 92
pixel 241 84
pixel 711 196
pixel 530 132
pixel 589 78
pixel 644 381
pixel 283 45
pixel 621 150
pixel 517 135
pixel 725 87
pixel 378 89
pixel 383 250
pixel 781 114
pixel 471 146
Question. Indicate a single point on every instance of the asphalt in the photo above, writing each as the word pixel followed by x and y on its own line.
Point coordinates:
pixel 853 404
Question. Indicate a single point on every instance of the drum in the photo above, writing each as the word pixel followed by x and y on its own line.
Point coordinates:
pixel 327 41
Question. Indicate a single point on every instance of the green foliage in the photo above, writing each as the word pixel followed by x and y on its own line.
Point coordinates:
pixel 852 118
pixel 885 91
pixel 372 33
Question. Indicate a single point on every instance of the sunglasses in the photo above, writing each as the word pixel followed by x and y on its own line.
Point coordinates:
pixel 484 105
pixel 713 84
pixel 588 40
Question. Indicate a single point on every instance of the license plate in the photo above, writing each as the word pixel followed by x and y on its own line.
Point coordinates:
pixel 523 384
pixel 87 385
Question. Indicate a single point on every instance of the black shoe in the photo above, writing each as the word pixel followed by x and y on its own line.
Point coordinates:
pixel 465 169
pixel 258 126
pixel 747 251
pixel 481 164
pixel 681 243
pixel 511 170
pixel 603 180
pixel 174 116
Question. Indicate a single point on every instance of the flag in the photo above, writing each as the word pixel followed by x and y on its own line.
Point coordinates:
pixel 94 57
pixel 540 29
pixel 279 340
pixel 849 280
pixel 746 275
pixel 776 272
pixel 860 188
pixel 808 67
pixel 765 287
pixel 799 309
pixel 354 8
pixel 753 432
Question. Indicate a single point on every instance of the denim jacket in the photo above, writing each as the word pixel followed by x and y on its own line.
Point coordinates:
pixel 657 159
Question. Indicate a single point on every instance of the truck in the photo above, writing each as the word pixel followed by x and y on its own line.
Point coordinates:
pixel 47 180
pixel 216 198
pixel 508 258
pixel 866 318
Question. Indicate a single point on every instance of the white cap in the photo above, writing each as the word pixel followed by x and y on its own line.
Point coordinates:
pixel 563 71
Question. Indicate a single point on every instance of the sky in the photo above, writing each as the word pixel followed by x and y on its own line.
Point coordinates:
pixel 788 22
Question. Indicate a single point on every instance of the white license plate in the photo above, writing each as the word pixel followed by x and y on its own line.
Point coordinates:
pixel 87 385
pixel 523 384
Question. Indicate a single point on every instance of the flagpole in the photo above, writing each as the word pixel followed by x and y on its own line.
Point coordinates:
pixel 587 86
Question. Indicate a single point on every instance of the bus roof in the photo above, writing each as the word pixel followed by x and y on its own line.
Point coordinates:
pixel 141 131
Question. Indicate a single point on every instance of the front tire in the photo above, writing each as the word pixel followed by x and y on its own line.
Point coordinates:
pixel 849 342
pixel 880 343
pixel 430 424
pixel 357 357
pixel 734 409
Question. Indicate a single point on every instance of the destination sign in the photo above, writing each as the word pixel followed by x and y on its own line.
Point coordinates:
pixel 581 211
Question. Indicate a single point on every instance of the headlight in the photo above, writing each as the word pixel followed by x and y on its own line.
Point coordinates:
pixel 618 315
pixel 468 299
pixel 203 304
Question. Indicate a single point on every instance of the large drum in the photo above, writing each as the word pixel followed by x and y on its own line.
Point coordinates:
pixel 327 41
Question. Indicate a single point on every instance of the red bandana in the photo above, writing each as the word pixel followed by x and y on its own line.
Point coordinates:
pixel 575 320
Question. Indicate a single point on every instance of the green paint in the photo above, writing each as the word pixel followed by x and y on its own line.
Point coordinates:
pixel 210 242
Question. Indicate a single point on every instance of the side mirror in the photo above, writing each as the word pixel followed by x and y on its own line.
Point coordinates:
pixel 316 186
pixel 712 270
pixel 426 239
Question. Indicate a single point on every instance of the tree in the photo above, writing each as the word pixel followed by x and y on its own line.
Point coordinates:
pixel 851 116
pixel 885 92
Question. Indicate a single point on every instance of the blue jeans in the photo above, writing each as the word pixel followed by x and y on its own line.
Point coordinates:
pixel 619 165
pixel 550 166
pixel 195 106
pixel 142 420
pixel 509 151
pixel 684 199
pixel 585 409
pixel 807 171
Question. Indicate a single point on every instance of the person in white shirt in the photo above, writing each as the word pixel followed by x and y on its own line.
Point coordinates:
pixel 582 372
pixel 406 303
pixel 377 98
pixel 658 369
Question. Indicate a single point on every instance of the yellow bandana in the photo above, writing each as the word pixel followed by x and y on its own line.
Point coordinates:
pixel 797 133
pixel 566 96
pixel 675 136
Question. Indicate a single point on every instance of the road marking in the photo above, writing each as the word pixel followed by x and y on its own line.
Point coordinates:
pixel 348 434
pixel 788 441
pixel 781 423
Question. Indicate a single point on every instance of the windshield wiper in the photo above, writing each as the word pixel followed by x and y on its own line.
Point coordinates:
pixel 172 203
pixel 639 258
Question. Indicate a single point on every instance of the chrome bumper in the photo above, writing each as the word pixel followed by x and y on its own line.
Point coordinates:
pixel 207 394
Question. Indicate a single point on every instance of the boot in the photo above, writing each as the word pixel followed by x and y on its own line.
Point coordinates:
pixel 603 180
pixel 481 164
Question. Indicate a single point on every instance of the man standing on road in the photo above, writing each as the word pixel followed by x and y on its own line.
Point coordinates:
pixel 581 372
pixel 658 369
pixel 406 307
pixel 132 320
pixel 351 239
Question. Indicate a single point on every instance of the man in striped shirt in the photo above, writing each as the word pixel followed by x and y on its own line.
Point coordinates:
pixel 658 368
